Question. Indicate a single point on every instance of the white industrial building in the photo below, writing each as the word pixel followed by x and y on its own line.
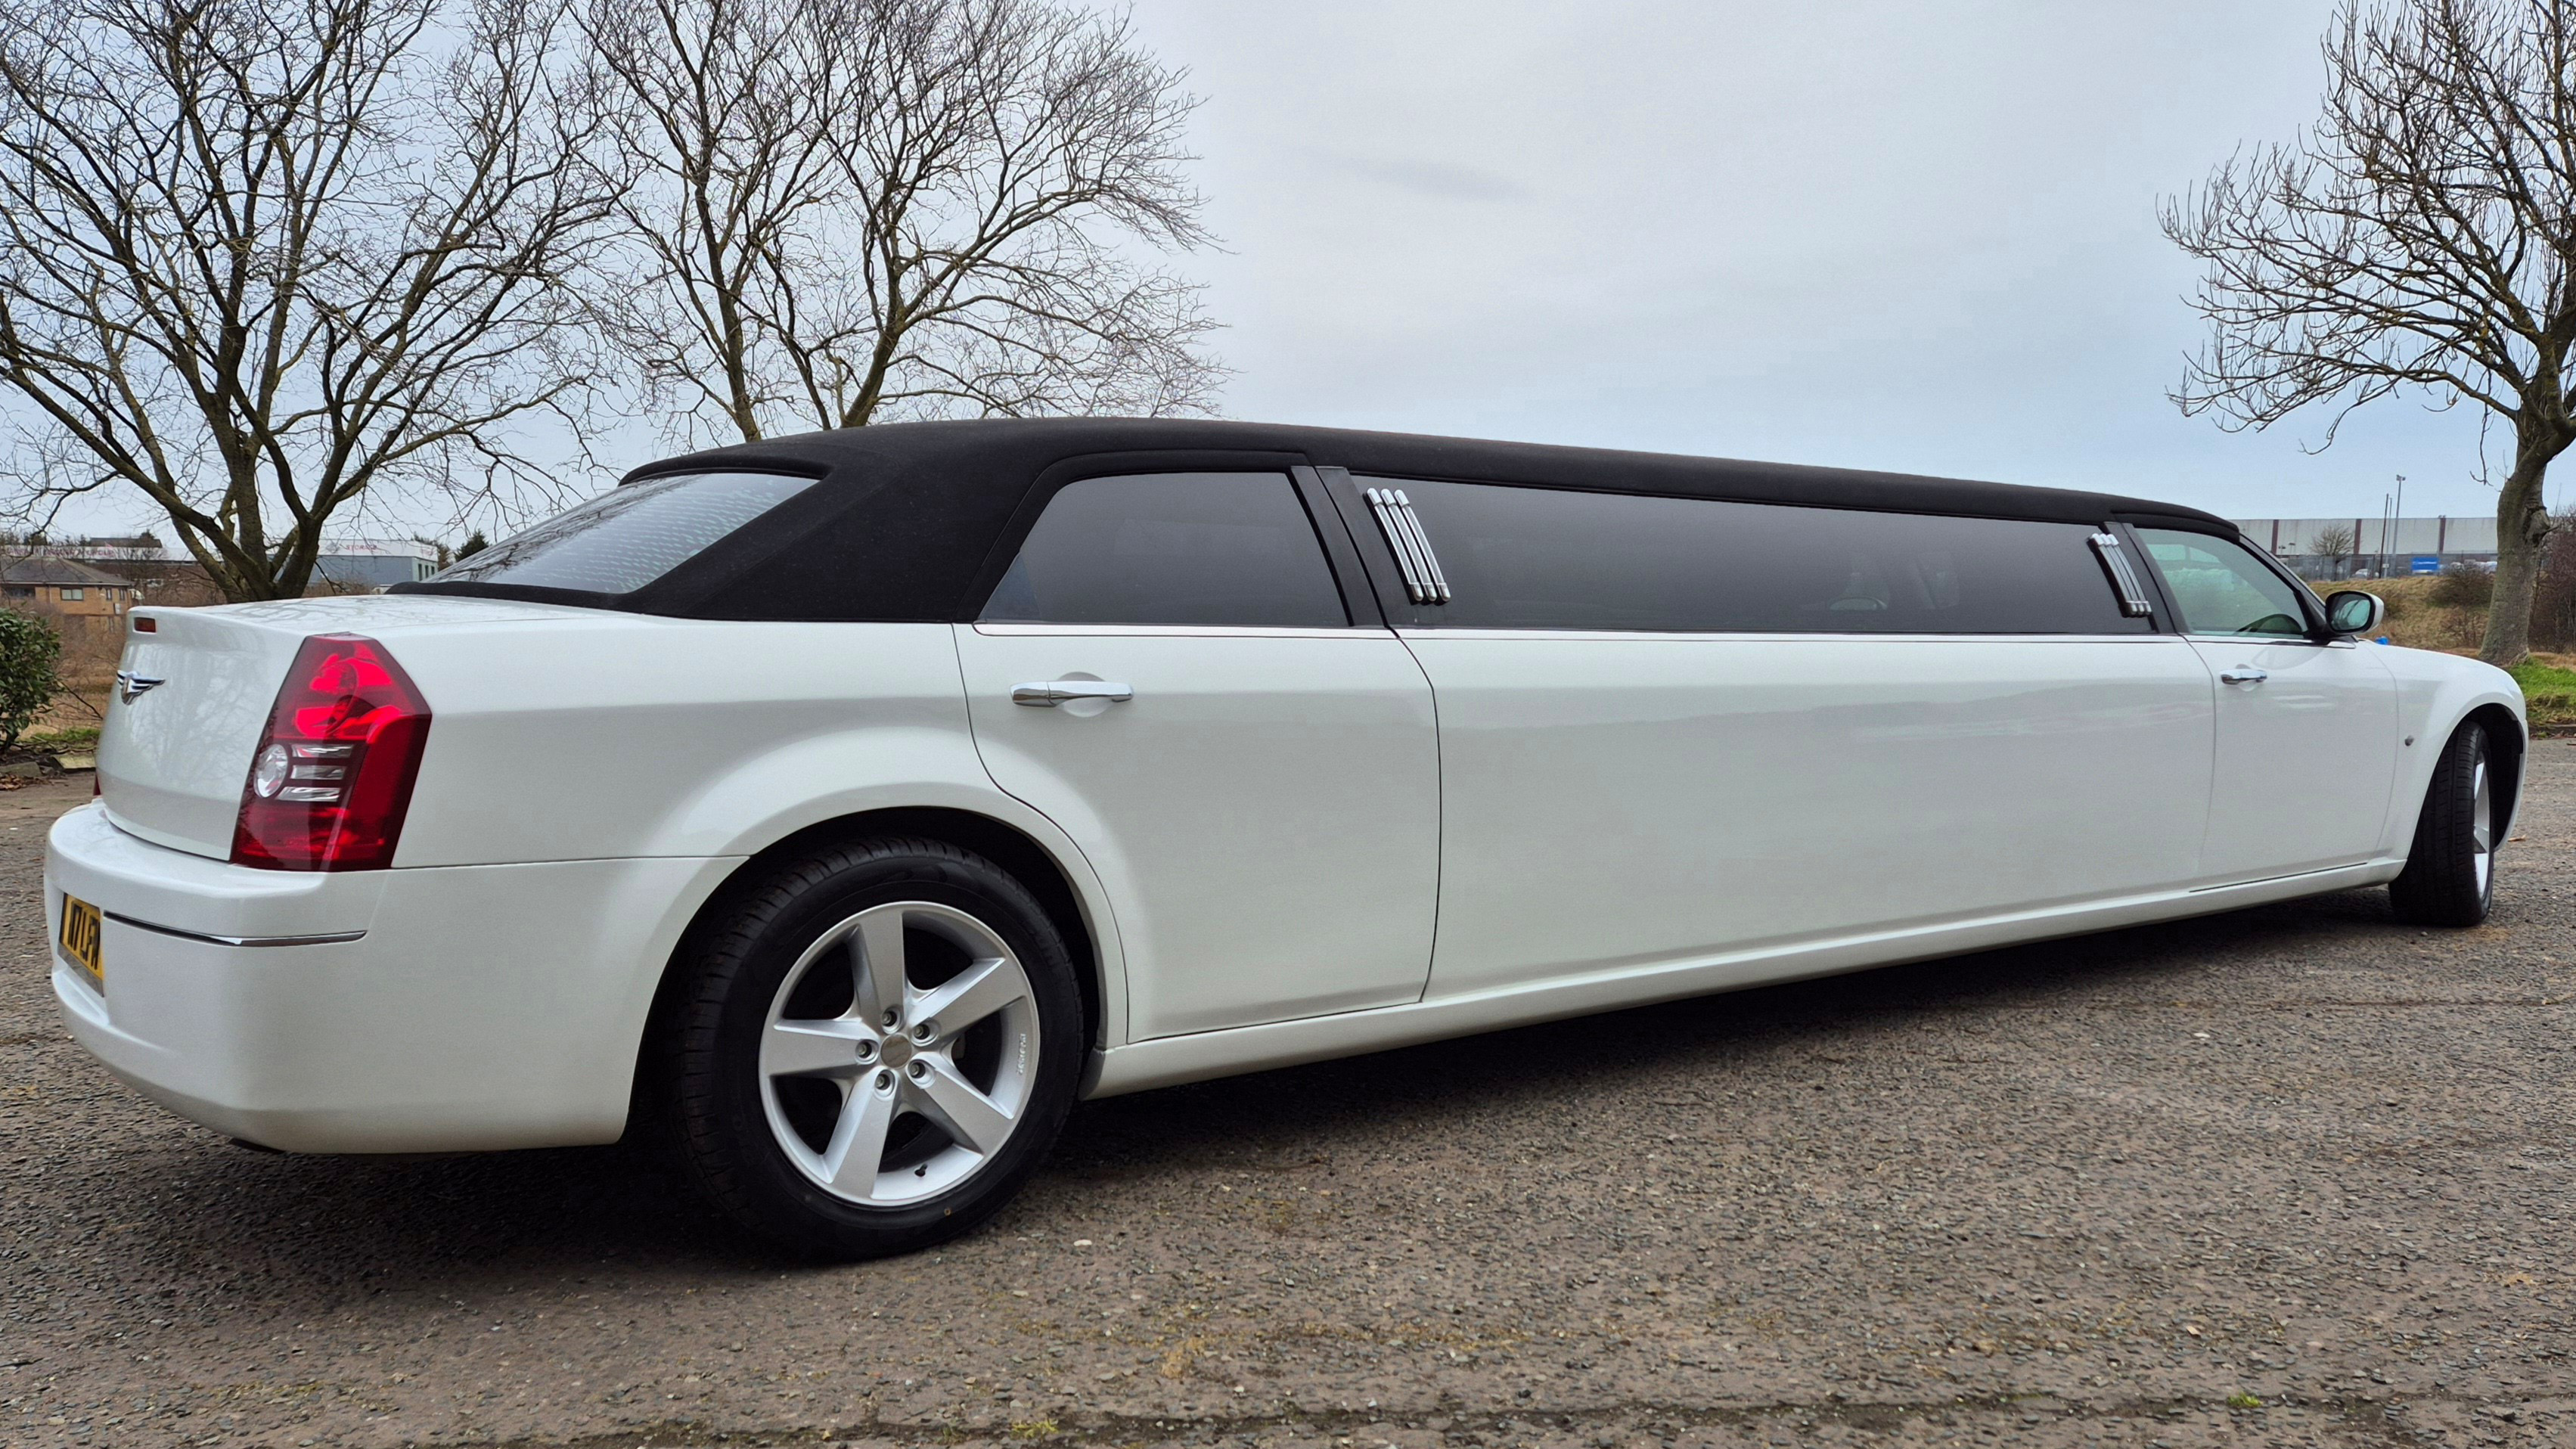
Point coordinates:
pixel 2340 548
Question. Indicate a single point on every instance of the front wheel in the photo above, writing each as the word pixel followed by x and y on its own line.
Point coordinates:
pixel 2449 878
pixel 874 1049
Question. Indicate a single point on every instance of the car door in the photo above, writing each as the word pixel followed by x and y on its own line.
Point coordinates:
pixel 1169 672
pixel 2307 726
pixel 1676 728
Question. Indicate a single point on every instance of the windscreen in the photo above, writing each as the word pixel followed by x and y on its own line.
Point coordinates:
pixel 629 536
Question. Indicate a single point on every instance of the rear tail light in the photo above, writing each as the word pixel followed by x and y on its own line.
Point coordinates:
pixel 333 774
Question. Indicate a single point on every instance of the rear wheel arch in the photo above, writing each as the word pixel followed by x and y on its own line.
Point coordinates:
pixel 1005 845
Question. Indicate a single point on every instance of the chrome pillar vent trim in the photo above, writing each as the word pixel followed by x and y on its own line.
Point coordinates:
pixel 1399 539
pixel 1423 581
pixel 1422 541
pixel 2124 577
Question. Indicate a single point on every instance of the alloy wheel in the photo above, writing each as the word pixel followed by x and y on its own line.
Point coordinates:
pixel 898 1054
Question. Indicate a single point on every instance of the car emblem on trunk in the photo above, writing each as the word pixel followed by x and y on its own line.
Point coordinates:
pixel 131 686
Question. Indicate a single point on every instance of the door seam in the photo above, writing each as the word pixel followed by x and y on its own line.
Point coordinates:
pixel 1109 903
pixel 1439 818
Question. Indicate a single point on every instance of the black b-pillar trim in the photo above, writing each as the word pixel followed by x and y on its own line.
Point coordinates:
pixel 1385 573
pixel 2168 619
pixel 1358 599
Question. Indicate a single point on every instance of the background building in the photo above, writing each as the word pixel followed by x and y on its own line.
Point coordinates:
pixel 166 575
pixel 370 565
pixel 81 601
pixel 2346 548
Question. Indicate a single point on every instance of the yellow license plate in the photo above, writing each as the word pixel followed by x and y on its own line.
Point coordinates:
pixel 80 937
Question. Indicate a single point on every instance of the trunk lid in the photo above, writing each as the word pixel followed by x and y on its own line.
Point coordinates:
pixel 193 697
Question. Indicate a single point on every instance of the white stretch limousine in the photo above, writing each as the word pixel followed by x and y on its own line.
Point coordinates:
pixel 845 807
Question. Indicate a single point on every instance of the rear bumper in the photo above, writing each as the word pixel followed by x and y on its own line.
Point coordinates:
pixel 429 1010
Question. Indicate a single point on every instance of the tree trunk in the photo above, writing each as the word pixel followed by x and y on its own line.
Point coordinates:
pixel 2522 525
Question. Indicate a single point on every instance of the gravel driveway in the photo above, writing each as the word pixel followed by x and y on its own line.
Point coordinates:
pixel 2291 1176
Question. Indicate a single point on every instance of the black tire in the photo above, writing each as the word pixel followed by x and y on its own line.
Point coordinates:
pixel 2449 878
pixel 714 1104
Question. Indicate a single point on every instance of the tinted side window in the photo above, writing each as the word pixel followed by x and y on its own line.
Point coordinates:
pixel 1544 558
pixel 630 535
pixel 1172 548
pixel 2220 588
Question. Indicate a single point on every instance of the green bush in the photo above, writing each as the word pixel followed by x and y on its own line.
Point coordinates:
pixel 2464 586
pixel 30 650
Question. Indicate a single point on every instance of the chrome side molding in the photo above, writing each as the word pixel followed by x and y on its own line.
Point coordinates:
pixel 1423 581
pixel 324 938
pixel 2124 576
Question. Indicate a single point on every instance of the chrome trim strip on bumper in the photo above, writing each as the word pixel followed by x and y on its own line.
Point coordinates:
pixel 327 938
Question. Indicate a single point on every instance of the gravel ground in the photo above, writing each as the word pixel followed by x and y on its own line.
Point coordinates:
pixel 2291 1176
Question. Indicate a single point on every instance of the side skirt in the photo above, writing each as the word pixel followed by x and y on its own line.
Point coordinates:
pixel 1170 1061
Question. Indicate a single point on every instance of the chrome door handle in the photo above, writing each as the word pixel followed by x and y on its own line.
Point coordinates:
pixel 1057 691
pixel 2243 674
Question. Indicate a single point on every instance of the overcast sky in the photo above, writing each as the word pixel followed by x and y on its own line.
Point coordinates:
pixel 1872 233
pixel 1875 233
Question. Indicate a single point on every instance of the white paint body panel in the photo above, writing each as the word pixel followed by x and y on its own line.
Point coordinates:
pixel 1256 839
pixel 173 760
pixel 627 735
pixel 1145 1065
pixel 2435 692
pixel 1682 794
pixel 2301 756
pixel 590 779
pixel 485 1007
pixel 1266 810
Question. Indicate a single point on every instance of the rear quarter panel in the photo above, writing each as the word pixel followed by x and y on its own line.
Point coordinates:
pixel 610 736
pixel 618 735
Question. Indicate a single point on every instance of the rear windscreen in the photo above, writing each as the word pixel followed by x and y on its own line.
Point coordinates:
pixel 629 536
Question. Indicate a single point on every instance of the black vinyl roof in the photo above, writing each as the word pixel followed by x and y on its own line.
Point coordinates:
pixel 913 521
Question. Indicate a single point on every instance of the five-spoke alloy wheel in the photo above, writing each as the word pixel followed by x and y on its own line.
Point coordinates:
pixel 873 1048
pixel 914 1087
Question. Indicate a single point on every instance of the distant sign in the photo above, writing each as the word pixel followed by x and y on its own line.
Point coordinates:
pixel 2427 563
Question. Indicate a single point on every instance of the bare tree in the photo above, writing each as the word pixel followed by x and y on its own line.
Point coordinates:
pixel 260 256
pixel 2418 237
pixel 2334 543
pixel 859 210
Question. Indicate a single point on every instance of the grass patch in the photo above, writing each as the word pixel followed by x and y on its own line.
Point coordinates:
pixel 53 742
pixel 2549 692
pixel 2417 617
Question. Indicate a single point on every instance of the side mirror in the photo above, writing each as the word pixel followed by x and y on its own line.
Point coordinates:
pixel 2350 611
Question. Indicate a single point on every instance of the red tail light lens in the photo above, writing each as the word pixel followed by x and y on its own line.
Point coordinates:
pixel 332 778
